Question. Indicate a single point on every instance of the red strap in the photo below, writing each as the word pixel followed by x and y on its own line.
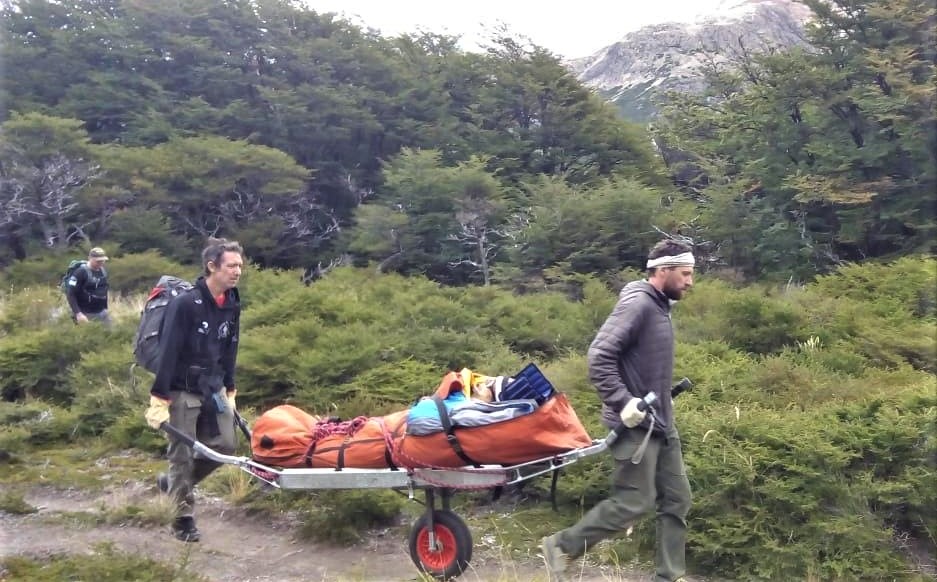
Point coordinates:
pixel 349 427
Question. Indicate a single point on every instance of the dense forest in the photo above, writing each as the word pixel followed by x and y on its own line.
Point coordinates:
pixel 149 125
pixel 408 207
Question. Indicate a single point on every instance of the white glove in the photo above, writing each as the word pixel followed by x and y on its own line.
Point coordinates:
pixel 158 412
pixel 630 415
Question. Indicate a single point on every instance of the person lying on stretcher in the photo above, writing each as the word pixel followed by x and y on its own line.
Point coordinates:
pixel 482 400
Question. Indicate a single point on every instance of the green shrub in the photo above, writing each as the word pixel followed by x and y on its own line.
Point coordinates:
pixel 719 372
pixel 100 409
pixel 45 270
pixel 908 284
pixel 144 229
pixel 104 564
pixel 696 317
pixel 808 434
pixel 385 388
pixel 758 323
pixel 260 287
pixel 130 431
pixel 109 368
pixel 33 308
pixel 314 341
pixel 885 313
pixel 12 413
pixel 53 425
pixel 543 325
pixel 13 439
pixel 138 273
pixel 838 358
pixel 35 363
pixel 12 502
pixel 784 494
pixel 127 273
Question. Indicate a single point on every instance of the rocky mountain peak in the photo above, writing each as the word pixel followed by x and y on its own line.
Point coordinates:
pixel 667 56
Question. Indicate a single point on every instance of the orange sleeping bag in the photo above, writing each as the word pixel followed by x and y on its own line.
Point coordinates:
pixel 281 436
pixel 366 448
pixel 285 436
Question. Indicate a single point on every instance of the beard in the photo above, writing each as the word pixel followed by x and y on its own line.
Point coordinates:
pixel 673 292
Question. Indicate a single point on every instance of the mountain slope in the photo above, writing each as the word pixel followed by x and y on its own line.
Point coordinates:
pixel 652 60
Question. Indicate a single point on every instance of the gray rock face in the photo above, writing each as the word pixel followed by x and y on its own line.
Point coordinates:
pixel 662 57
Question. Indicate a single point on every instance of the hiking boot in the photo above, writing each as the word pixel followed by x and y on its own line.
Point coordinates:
pixel 162 482
pixel 184 529
pixel 555 559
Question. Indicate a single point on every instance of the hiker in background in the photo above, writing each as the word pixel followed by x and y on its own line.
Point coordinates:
pixel 86 289
pixel 631 356
pixel 194 389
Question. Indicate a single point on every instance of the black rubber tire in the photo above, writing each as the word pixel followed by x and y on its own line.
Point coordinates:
pixel 454 545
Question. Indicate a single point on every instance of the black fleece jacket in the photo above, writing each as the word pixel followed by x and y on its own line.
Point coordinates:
pixel 197 332
pixel 87 290
pixel 638 335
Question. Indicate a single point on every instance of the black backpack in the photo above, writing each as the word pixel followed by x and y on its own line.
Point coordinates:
pixel 146 340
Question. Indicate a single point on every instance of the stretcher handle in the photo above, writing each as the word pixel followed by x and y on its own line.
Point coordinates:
pixel 245 428
pixel 197 447
pixel 648 401
pixel 680 387
pixel 178 434
pixel 209 453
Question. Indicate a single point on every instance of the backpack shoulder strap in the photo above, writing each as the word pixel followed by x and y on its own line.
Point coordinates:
pixel 82 267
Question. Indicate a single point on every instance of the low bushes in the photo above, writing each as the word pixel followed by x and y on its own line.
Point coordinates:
pixel 808 434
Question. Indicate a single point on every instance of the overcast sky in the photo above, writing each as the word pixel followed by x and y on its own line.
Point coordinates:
pixel 577 29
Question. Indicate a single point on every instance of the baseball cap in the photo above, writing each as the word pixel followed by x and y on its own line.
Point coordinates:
pixel 97 253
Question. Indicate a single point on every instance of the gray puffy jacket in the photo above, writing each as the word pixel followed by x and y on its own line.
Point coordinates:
pixel 639 334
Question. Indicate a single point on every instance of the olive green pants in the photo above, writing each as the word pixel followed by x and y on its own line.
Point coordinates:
pixel 658 480
pixel 186 470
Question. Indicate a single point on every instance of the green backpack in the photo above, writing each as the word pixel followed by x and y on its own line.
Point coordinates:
pixel 72 267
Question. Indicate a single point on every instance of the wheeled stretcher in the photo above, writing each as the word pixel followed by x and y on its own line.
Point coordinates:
pixel 440 542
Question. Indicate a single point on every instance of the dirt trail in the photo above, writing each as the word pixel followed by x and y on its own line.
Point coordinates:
pixel 236 547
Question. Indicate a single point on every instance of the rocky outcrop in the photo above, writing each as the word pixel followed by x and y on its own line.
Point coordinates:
pixel 654 59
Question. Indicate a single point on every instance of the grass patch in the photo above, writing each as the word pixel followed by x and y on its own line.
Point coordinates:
pixel 120 510
pixel 13 502
pixel 105 564
pixel 91 467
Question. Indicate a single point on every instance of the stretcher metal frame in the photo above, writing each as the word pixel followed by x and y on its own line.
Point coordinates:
pixel 440 542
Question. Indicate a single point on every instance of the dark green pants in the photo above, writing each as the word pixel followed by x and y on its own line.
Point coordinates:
pixel 185 470
pixel 660 481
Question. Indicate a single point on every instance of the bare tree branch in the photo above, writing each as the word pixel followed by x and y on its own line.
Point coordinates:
pixel 44 195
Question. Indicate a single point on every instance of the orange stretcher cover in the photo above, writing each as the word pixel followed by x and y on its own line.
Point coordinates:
pixel 285 436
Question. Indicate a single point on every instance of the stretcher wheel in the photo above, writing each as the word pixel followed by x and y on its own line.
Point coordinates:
pixel 453 548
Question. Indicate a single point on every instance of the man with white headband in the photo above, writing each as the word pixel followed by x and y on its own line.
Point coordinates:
pixel 631 356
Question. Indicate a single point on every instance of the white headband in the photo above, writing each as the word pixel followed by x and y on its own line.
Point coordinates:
pixel 681 260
